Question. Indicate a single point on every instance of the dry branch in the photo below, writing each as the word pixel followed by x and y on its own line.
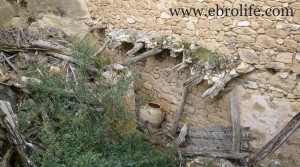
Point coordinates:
pixel 142 56
pixel 275 143
pixel 9 122
pixel 7 60
pixel 7 158
pixel 179 110
pixel 102 47
pixel 61 56
pixel 179 66
pixel 51 46
pixel 137 47
pixel 217 87
pixel 194 80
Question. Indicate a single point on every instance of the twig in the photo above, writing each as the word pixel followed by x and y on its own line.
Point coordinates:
pixel 102 48
pixel 1 61
pixel 7 60
pixel 75 79
pixel 40 72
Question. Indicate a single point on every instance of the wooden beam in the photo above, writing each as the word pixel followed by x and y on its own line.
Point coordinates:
pixel 137 47
pixel 179 110
pixel 275 143
pixel 187 86
pixel 235 118
pixel 213 153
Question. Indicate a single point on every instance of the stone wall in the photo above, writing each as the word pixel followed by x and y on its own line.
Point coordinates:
pixel 269 97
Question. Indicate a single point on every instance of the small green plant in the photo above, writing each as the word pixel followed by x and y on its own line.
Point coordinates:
pixel 83 125
pixel 201 54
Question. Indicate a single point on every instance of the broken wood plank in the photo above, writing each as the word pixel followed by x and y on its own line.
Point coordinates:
pixel 181 137
pixel 137 47
pixel 236 129
pixel 275 143
pixel 213 153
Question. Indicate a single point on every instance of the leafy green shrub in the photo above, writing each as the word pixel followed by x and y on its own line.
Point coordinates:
pixel 82 125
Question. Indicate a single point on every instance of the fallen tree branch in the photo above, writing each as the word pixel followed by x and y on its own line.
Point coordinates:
pixel 137 47
pixel 7 158
pixel 9 121
pixel 102 47
pixel 275 143
pixel 61 56
pixel 51 46
pixel 7 60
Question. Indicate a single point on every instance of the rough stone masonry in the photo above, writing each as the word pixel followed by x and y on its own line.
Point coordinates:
pixel 270 96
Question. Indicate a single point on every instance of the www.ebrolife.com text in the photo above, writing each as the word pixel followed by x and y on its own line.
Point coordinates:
pixel 241 10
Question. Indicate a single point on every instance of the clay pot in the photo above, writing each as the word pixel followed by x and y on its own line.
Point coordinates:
pixel 151 114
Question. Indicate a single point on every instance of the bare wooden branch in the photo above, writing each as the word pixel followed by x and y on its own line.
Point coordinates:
pixel 213 153
pixel 9 121
pixel 176 68
pixel 235 117
pixel 179 110
pixel 217 87
pixel 275 143
pixel 194 80
pixel 137 47
pixel 61 56
pixel 180 66
pixel 102 47
pixel 7 158
pixel 51 46
pixel 1 61
pixel 181 137
pixel 74 75
pixel 7 60
pixel 142 56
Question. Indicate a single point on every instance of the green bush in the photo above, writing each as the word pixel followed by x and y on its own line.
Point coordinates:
pixel 82 125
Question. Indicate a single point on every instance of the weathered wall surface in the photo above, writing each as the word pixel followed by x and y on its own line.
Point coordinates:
pixel 269 97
